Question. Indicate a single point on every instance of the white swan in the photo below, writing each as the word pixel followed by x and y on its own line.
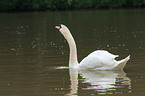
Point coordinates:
pixel 97 60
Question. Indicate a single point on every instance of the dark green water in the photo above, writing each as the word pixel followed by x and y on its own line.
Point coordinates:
pixel 31 49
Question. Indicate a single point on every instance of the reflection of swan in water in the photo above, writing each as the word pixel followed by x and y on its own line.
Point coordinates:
pixel 104 80
pixel 74 82
pixel 101 81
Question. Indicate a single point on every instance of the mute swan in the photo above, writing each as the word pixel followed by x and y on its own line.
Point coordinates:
pixel 97 60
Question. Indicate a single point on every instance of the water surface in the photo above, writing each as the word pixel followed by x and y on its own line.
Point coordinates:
pixel 31 50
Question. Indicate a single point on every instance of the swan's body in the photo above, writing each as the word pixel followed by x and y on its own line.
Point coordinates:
pixel 97 60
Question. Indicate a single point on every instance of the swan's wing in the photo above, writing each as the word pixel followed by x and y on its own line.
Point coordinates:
pixel 97 63
pixel 90 62
pixel 99 60
pixel 104 54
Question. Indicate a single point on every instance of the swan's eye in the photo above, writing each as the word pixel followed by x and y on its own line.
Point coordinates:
pixel 60 26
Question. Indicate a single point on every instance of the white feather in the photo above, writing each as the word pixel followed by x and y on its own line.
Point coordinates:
pixel 97 60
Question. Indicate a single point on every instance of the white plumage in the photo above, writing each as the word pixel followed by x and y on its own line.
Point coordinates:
pixel 97 60
pixel 101 60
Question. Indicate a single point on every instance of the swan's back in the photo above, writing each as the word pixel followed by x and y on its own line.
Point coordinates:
pixel 104 54
pixel 99 60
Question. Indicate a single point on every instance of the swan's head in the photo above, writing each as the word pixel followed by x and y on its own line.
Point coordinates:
pixel 63 29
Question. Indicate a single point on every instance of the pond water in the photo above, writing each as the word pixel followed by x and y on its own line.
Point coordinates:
pixel 31 50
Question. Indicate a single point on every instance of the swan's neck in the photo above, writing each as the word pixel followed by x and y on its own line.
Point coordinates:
pixel 73 62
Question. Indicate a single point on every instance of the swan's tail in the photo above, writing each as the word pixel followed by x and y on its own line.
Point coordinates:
pixel 122 63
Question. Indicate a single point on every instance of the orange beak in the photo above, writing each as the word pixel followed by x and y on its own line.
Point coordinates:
pixel 57 27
